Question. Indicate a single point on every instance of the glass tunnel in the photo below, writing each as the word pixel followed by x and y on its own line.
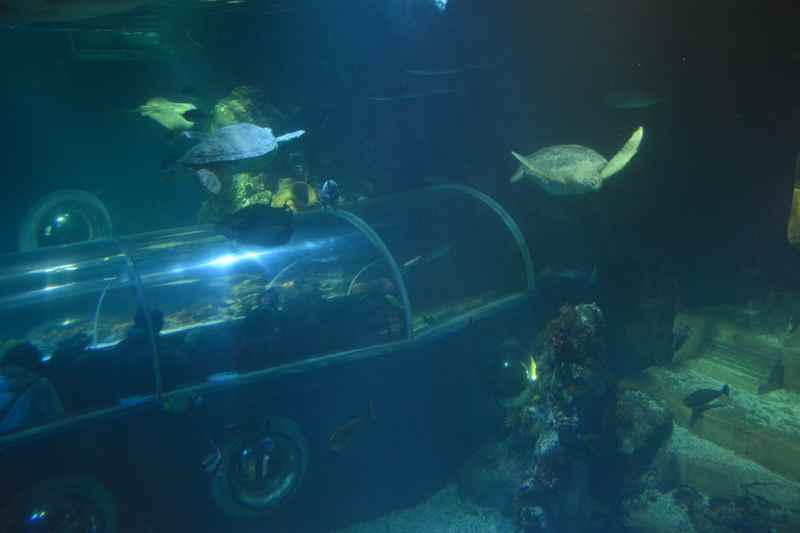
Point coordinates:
pixel 186 310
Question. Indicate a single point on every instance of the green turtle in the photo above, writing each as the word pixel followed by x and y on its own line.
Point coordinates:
pixel 568 169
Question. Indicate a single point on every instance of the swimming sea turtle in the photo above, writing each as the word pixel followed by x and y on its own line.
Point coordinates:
pixel 229 144
pixel 567 169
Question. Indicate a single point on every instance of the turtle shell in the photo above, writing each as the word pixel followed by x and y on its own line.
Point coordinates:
pixel 231 143
pixel 567 168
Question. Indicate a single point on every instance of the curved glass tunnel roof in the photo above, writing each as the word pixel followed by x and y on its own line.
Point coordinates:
pixel 120 322
pixel 458 250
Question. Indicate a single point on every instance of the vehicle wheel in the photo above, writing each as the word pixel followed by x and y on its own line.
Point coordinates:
pixel 61 505
pixel 261 469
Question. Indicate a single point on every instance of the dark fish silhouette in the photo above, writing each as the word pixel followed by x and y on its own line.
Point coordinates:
pixel 586 277
pixel 32 12
pixel 343 435
pixel 700 401
pixel 701 397
pixel 259 225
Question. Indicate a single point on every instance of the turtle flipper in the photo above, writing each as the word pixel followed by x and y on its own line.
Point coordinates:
pixel 289 136
pixel 625 154
pixel 526 167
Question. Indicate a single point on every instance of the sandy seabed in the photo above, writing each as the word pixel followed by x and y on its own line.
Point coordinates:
pixel 444 512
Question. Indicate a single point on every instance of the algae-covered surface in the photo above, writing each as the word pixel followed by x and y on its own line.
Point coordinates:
pixel 777 410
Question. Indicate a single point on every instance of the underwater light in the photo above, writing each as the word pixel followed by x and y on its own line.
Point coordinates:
pixel 224 260
pixel 441 5
pixel 55 269
pixel 49 288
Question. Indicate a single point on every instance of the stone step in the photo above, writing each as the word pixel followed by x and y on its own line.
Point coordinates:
pixel 764 428
pixel 718 473
pixel 733 346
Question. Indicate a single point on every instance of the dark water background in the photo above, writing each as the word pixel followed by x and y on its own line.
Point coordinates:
pixel 714 172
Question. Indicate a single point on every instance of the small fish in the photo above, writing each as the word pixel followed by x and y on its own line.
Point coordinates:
pixel 259 224
pixel 481 66
pixel 413 261
pixel 581 276
pixel 209 180
pixel 434 72
pixel 679 335
pixel 383 99
pixel 213 460
pixel 630 100
pixel 775 379
pixel 702 397
pixel 392 300
pixel 343 435
pixel 193 135
pixel 530 369
pixel 32 12
pixel 433 255
pixel 700 401
pixel 444 91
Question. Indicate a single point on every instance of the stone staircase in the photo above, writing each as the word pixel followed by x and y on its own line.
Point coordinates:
pixel 758 356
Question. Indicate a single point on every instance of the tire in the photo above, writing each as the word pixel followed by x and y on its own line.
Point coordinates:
pixel 79 505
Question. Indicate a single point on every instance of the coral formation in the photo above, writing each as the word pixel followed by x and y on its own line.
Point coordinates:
pixel 643 422
pixel 242 105
pixel 296 195
pixel 246 104
pixel 572 334
pixel 573 416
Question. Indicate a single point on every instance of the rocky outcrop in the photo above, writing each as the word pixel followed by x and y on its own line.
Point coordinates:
pixel 573 411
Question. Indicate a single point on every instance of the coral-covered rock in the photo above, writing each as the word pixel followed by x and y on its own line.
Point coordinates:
pixel 296 195
pixel 573 408
pixel 644 423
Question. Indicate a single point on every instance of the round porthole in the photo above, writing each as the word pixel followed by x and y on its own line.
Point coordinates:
pixel 63 505
pixel 508 377
pixel 64 217
pixel 261 468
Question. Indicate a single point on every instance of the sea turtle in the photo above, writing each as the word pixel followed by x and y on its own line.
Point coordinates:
pixel 568 169
pixel 228 144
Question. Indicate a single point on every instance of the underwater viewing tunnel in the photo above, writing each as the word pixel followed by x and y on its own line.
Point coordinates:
pixel 157 321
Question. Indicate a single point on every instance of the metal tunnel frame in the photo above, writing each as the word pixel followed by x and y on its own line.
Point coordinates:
pixel 507 220
pixel 154 401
